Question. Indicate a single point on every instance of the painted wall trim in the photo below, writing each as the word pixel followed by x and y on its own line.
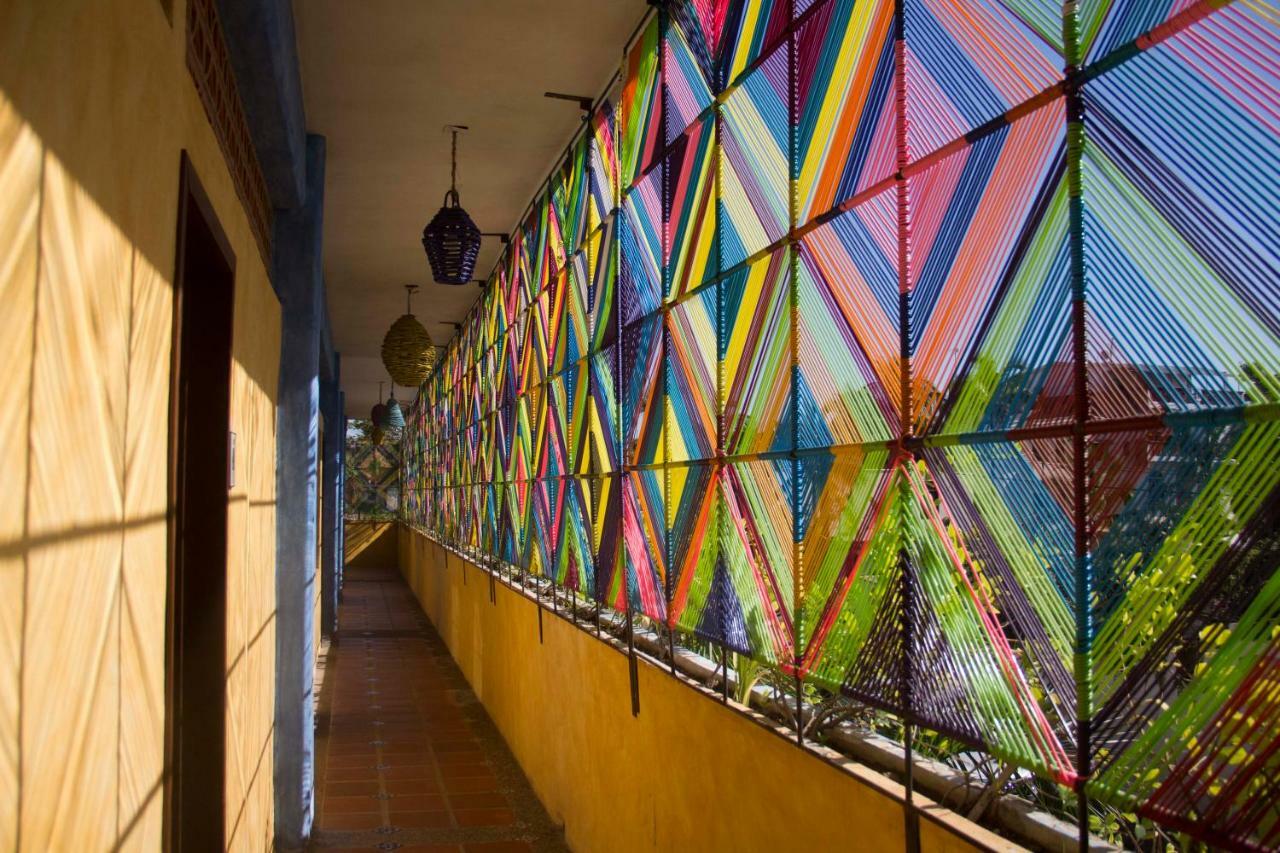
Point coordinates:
pixel 263 48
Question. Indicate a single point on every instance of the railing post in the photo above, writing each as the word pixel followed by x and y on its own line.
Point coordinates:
pixel 910 815
pixel 724 674
pixel 799 710
pixel 632 665
pixel 671 646
pixel 1083 664
pixel 538 598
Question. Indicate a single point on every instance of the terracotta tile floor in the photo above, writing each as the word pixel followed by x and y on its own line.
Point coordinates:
pixel 407 758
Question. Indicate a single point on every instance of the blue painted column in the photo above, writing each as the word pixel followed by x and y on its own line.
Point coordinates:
pixel 341 562
pixel 298 277
pixel 330 551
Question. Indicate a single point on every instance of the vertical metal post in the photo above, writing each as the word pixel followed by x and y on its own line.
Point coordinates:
pixel 615 248
pixel 632 666
pixel 906 428
pixel 668 584
pixel 793 331
pixel 906 692
pixel 537 587
pixel 904 249
pixel 799 710
pixel 671 646
pixel 1075 116
pixel 909 806
pixel 724 674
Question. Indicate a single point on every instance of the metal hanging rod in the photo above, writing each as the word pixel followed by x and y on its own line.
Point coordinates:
pixel 584 102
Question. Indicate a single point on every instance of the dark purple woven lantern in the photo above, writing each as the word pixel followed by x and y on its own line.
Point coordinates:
pixel 451 239
pixel 378 414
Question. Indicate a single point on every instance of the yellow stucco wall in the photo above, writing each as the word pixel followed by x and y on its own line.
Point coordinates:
pixel 686 774
pixel 95 106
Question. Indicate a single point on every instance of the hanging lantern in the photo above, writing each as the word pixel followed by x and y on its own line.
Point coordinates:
pixel 376 436
pixel 407 350
pixel 395 415
pixel 451 239
pixel 378 414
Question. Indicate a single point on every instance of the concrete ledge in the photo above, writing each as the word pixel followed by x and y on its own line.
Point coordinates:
pixel 687 773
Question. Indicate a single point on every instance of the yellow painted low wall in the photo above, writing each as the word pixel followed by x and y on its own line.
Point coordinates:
pixel 687 774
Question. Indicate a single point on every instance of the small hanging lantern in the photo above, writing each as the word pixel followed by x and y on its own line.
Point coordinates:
pixel 395 415
pixel 407 350
pixel 378 414
pixel 451 239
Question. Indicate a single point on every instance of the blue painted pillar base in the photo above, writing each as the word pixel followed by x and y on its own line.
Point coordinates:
pixel 340 561
pixel 331 552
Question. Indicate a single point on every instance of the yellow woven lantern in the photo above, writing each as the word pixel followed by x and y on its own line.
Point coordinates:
pixel 407 350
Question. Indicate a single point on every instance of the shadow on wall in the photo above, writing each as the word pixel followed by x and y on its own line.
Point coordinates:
pixel 93 116
pixel 371 545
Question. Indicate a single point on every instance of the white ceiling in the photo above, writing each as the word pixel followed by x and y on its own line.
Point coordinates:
pixel 381 79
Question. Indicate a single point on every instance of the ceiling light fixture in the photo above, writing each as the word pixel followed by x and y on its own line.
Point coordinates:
pixel 378 414
pixel 395 416
pixel 451 239
pixel 407 350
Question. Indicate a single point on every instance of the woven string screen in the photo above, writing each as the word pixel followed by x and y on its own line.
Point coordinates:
pixel 372 484
pixel 928 350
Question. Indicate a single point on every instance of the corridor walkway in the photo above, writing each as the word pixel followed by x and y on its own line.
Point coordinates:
pixel 407 758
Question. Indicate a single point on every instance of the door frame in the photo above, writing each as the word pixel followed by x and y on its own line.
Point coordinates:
pixel 193 200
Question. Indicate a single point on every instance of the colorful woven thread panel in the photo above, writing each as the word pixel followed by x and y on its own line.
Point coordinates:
pixel 928 351
pixel 372 472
